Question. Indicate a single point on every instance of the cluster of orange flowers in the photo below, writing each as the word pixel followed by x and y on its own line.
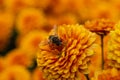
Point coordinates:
pixel 86 46
pixel 74 50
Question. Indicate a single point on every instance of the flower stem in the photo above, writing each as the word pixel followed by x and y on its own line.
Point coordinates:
pixel 102 49
pixel 87 77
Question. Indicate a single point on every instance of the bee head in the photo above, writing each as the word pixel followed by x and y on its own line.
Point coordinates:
pixel 55 40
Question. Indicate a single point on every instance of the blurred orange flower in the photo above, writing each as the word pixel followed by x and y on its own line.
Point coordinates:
pixel 106 41
pixel 2 64
pixel 15 73
pixel 16 6
pixel 68 57
pixel 61 19
pixel 18 57
pixel 67 19
pixel 37 75
pixel 70 6
pixel 51 21
pixel 30 19
pixel 43 4
pixel 1 4
pixel 6 28
pixel 31 41
pixel 105 10
pixel 96 60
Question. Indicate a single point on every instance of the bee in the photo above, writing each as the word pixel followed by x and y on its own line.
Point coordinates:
pixel 54 39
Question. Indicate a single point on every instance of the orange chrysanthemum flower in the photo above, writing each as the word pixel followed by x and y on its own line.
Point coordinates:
pixel 31 41
pixel 30 19
pixel 113 55
pixel 6 27
pixel 15 73
pixel 18 57
pixel 16 6
pixel 100 25
pixel 109 74
pixel 67 54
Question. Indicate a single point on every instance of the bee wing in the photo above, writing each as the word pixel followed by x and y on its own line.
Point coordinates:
pixel 54 30
pixel 42 43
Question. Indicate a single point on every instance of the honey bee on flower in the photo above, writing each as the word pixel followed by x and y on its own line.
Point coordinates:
pixel 67 53
pixel 54 40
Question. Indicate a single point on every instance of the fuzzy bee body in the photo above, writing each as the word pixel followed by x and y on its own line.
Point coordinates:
pixel 55 40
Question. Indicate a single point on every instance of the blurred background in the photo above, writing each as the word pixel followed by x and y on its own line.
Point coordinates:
pixel 24 23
